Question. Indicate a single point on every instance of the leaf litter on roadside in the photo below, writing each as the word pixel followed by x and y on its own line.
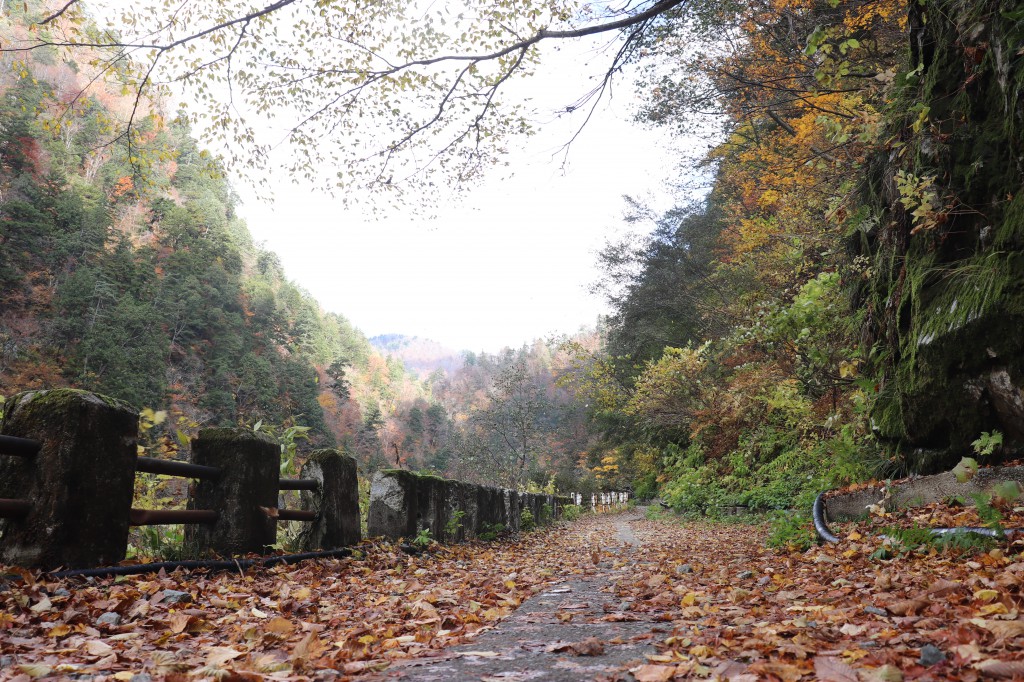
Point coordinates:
pixel 721 605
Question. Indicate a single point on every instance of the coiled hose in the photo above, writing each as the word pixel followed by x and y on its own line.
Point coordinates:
pixel 820 525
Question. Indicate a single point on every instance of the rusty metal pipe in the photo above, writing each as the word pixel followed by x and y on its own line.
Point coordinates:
pixel 168 467
pixel 295 515
pixel 157 517
pixel 19 447
pixel 14 509
pixel 298 484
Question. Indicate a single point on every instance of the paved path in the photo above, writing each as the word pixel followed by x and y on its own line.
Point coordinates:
pixel 575 630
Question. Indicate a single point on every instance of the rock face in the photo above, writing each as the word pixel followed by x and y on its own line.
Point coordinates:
pixel 945 301
pixel 80 484
pixel 250 465
pixel 403 503
pixel 336 503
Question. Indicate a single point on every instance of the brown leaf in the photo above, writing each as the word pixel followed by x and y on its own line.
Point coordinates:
pixel 906 607
pixel 1000 669
pixel 783 671
pixel 654 673
pixel 1002 629
pixel 219 655
pixel 309 648
pixel 831 669
pixel 943 588
pixel 183 622
pixel 95 647
pixel 279 625
pixel 591 646
pixel 886 673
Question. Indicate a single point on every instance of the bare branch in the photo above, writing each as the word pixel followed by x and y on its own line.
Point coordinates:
pixel 58 13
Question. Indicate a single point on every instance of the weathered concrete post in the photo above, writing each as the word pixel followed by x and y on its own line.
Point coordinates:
pixel 336 503
pixel 80 484
pixel 250 465
pixel 392 512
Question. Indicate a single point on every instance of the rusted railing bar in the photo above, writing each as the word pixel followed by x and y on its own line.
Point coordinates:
pixel 19 447
pixel 168 467
pixel 14 509
pixel 295 515
pixel 156 517
pixel 298 484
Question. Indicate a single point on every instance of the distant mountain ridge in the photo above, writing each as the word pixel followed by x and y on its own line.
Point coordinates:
pixel 422 356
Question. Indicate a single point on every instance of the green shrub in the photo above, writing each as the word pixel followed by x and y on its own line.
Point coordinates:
pixel 454 525
pixel 792 530
pixel 571 512
pixel 489 531
pixel 526 521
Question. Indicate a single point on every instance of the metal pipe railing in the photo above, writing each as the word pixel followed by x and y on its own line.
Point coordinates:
pixel 298 484
pixel 156 517
pixel 168 467
pixel 295 515
pixel 19 447
pixel 14 509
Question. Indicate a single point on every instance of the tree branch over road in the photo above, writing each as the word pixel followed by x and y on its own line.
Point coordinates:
pixel 373 96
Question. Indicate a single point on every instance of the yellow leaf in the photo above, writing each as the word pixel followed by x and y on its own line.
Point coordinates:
pixel 986 595
pixel 62 630
pixel 993 609
pixel 280 625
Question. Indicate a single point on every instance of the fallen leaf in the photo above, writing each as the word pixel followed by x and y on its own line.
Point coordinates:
pixel 886 673
pixel 831 669
pixel 96 647
pixel 653 673
pixel 906 607
pixel 58 631
pixel 219 655
pixel 1000 669
pixel 279 625
pixel 42 605
pixel 783 671
pixel 1002 629
pixel 33 670
pixel 591 646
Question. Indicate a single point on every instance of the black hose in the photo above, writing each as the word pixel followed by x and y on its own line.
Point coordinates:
pixel 211 564
pixel 818 512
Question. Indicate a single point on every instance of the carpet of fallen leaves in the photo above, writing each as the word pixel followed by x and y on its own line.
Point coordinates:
pixel 351 615
pixel 720 605
pixel 736 610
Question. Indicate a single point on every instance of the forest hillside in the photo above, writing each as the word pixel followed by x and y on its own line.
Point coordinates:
pixel 126 270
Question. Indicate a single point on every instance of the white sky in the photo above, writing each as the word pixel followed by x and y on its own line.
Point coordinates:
pixel 509 261
pixel 512 260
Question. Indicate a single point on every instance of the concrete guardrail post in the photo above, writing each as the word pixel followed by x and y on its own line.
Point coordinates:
pixel 250 467
pixel 336 502
pixel 79 485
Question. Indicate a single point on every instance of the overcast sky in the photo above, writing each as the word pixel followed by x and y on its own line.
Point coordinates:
pixel 506 263
pixel 503 264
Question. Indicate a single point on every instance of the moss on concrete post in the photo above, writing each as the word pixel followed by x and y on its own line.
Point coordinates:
pixel 336 502
pixel 80 484
pixel 250 465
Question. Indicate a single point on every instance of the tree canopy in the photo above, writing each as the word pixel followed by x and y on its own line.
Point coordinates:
pixel 361 95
